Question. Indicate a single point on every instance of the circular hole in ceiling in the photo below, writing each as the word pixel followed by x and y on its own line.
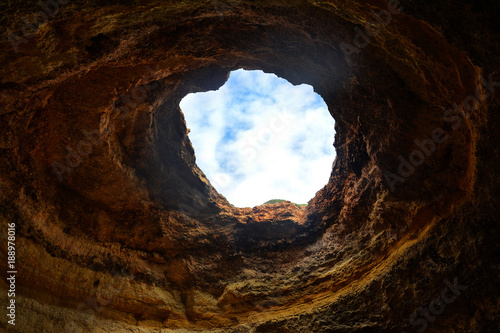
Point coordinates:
pixel 260 138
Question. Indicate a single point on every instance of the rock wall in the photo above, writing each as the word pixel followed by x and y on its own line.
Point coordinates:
pixel 118 230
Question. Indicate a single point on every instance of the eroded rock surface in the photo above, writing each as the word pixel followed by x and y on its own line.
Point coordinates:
pixel 118 230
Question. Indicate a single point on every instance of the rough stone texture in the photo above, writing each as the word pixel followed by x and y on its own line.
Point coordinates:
pixel 133 238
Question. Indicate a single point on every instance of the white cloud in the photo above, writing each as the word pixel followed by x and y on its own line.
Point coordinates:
pixel 259 138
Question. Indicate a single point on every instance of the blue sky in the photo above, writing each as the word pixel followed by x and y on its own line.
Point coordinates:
pixel 259 138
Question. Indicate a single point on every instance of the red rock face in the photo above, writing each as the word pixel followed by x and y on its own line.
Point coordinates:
pixel 117 229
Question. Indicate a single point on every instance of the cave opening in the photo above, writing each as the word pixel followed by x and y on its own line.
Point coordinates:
pixel 260 139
